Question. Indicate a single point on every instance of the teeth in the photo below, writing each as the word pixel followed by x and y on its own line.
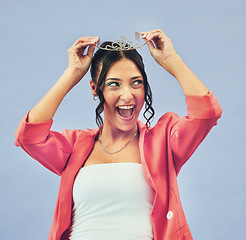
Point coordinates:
pixel 126 107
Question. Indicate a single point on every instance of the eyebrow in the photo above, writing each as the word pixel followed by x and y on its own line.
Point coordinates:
pixel 118 79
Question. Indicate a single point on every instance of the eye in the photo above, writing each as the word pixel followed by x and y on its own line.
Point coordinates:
pixel 112 84
pixel 137 83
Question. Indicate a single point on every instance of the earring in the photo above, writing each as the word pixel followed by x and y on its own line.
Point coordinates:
pixel 94 98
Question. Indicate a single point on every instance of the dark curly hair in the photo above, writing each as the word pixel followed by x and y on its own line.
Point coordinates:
pixel 101 62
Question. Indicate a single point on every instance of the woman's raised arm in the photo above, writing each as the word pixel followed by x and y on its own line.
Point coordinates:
pixel 162 50
pixel 78 65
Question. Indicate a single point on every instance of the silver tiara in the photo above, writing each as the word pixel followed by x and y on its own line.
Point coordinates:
pixel 122 44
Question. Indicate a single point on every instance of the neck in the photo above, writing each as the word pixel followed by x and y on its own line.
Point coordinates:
pixel 112 135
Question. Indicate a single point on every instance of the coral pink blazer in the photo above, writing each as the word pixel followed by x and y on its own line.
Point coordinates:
pixel 163 152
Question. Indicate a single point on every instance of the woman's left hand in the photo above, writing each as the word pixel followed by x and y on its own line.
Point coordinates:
pixel 162 50
pixel 160 46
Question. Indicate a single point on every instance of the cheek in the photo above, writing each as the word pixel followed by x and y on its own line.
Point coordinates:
pixel 110 100
pixel 141 97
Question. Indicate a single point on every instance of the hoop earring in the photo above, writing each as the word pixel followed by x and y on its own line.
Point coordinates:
pixel 95 98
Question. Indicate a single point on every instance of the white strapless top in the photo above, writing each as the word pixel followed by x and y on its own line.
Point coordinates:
pixel 112 201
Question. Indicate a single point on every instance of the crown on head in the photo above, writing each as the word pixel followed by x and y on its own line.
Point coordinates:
pixel 122 44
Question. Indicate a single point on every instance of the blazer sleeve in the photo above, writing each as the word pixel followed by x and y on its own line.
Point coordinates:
pixel 188 132
pixel 52 149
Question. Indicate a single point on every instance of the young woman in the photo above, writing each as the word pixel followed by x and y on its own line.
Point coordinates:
pixel 119 181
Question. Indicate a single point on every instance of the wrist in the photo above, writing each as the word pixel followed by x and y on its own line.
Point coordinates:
pixel 70 77
pixel 172 64
pixel 74 72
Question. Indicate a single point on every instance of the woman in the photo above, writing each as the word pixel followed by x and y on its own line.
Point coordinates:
pixel 119 181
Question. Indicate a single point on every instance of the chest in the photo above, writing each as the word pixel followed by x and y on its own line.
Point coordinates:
pixel 99 156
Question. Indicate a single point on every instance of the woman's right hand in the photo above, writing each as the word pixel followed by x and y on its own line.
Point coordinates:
pixel 78 65
pixel 78 60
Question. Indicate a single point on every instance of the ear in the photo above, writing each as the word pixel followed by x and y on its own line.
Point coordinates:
pixel 93 88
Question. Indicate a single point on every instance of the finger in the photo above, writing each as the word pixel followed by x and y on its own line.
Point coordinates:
pixel 156 37
pixel 92 47
pixel 150 45
pixel 78 48
pixel 85 39
pixel 149 33
pixel 82 39
pixel 91 51
pixel 144 34
pixel 81 46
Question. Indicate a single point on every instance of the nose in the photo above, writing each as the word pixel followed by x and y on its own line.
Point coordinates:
pixel 126 94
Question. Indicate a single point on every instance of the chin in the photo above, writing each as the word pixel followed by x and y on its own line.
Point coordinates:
pixel 127 126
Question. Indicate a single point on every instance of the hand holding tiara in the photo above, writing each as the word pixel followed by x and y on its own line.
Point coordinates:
pixel 160 46
pixel 78 59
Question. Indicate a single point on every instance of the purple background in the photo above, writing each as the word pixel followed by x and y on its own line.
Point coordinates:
pixel 209 36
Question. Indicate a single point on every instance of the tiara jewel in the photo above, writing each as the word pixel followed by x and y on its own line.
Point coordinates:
pixel 122 44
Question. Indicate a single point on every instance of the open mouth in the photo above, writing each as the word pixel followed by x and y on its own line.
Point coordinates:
pixel 125 111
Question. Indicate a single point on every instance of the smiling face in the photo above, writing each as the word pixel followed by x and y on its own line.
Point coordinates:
pixel 101 63
pixel 124 93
